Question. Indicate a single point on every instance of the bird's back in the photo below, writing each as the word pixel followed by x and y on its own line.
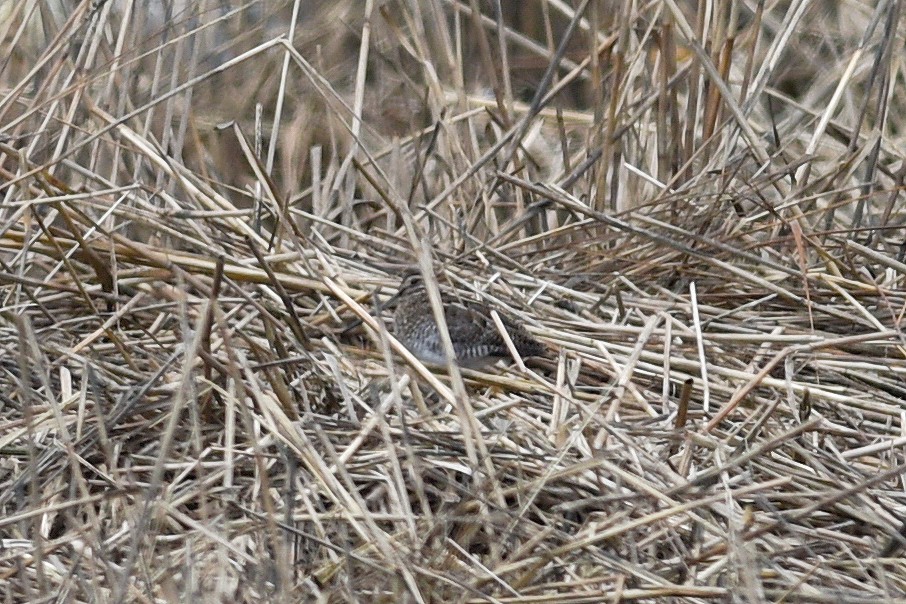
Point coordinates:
pixel 473 332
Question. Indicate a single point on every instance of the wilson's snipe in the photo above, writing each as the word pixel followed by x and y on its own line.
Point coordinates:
pixel 475 337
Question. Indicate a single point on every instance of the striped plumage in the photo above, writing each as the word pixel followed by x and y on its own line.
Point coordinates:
pixel 474 334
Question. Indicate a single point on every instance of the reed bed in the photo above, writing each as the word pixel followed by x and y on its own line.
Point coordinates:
pixel 696 206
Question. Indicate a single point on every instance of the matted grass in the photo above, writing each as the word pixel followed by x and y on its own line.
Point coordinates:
pixel 696 207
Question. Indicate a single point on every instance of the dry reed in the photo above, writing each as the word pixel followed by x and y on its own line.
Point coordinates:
pixel 695 205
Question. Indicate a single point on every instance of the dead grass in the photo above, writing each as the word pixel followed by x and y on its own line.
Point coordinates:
pixel 697 207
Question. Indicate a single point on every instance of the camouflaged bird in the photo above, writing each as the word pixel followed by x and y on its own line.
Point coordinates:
pixel 476 340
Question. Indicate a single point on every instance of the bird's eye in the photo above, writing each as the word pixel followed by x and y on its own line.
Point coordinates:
pixel 410 280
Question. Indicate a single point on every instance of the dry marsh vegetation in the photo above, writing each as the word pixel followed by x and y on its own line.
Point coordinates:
pixel 697 206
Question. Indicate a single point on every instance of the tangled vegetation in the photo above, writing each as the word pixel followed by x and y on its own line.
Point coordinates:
pixel 695 206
